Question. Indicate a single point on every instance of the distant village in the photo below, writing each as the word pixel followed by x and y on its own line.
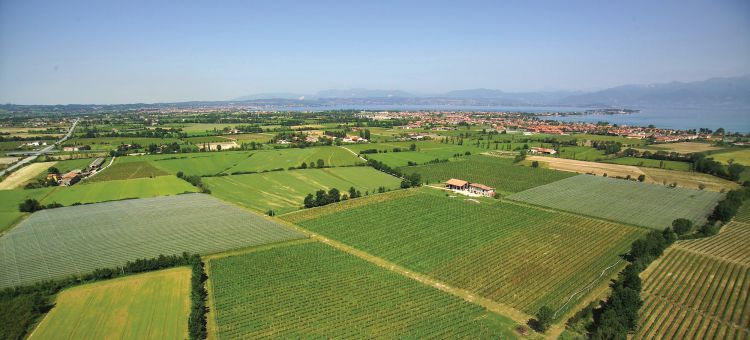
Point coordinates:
pixel 74 176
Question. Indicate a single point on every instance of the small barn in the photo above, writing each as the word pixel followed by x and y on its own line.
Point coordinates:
pixel 481 189
pixel 456 184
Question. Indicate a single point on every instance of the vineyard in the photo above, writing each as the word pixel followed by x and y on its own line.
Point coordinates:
pixel 201 164
pixel 647 205
pixel 284 191
pixel 312 290
pixel 519 256
pixel 499 173
pixel 76 240
pixel 700 289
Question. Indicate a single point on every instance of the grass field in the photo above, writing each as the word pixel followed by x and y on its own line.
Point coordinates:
pixel 127 170
pixel 111 143
pixel 284 191
pixel 699 289
pixel 201 163
pixel 9 200
pixel 312 290
pixel 19 177
pixel 684 147
pixel 75 240
pixel 650 163
pixel 516 255
pixel 685 179
pixel 499 173
pixel 647 205
pixel 582 153
pixel 285 158
pixel 153 305
pixel 741 156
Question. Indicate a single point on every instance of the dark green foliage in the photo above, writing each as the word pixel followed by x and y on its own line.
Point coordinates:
pixel 30 205
pixel 544 318
pixel 322 198
pixel 197 182
pixel 18 313
pixel 682 226
pixel 198 308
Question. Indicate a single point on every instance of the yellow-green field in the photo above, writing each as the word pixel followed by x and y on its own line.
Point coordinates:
pixel 741 156
pixel 154 305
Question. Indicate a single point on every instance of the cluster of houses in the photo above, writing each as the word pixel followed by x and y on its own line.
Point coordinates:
pixel 74 176
pixel 472 188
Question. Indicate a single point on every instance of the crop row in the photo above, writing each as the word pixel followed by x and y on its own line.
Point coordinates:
pixel 75 240
pixel 313 290
pixel 694 295
pixel 520 256
pixel 647 205
pixel 732 244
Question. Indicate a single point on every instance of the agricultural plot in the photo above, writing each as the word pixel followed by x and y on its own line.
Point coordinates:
pixel 111 143
pixel 9 200
pixel 700 289
pixel 128 170
pixel 118 190
pixel 285 158
pixel 741 156
pixel 201 163
pixel 519 256
pixel 499 173
pixel 76 240
pixel 647 205
pixel 651 163
pixel 284 191
pixel 684 147
pixel 582 153
pixel 153 305
pixel 312 290
pixel 19 177
pixel 251 137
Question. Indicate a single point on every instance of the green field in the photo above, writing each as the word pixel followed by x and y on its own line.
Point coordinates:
pixel 647 205
pixel 201 163
pixel 111 143
pixel 75 240
pixel 285 158
pixel 154 305
pixel 582 153
pixel 499 173
pixel 284 191
pixel 312 290
pixel 741 156
pixel 9 200
pixel 126 170
pixel 650 163
pixel 516 255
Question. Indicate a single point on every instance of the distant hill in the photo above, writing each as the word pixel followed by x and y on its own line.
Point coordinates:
pixel 727 92
pixel 730 92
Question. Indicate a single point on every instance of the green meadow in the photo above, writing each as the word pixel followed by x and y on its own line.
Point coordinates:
pixel 284 191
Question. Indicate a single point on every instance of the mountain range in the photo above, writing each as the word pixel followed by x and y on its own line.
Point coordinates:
pixel 725 92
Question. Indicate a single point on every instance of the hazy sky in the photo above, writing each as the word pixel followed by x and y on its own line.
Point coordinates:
pixel 150 51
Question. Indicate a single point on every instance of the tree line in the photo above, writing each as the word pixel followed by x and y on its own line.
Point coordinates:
pixel 321 197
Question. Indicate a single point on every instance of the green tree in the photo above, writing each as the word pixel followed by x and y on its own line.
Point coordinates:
pixel 544 318
pixel 682 226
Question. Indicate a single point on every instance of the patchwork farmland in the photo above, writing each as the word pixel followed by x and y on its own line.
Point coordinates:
pixel 76 240
pixel 284 191
pixel 499 173
pixel 283 159
pixel 647 205
pixel 312 289
pixel 145 306
pixel 519 256
pixel 700 289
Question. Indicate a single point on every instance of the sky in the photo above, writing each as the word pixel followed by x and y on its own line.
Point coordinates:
pixel 105 52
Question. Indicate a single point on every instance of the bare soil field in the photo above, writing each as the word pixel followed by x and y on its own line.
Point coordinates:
pixel 8 160
pixel 224 145
pixel 24 174
pixel 683 179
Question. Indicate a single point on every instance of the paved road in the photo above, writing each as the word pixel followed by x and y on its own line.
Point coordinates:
pixel 36 154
